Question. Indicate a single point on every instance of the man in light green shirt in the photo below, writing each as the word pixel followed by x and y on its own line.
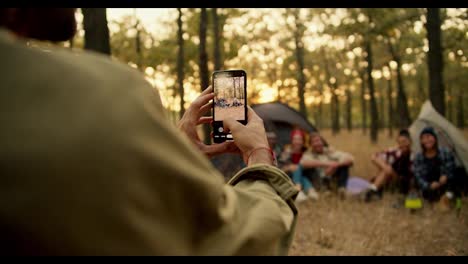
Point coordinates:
pixel 92 166
pixel 327 163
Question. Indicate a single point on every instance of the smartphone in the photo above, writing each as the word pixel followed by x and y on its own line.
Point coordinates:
pixel 230 89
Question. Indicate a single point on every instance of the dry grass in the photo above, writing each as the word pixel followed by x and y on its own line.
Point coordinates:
pixel 333 227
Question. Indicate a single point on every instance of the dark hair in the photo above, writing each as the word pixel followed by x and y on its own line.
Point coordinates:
pixel 404 133
pixel 317 134
pixel 52 24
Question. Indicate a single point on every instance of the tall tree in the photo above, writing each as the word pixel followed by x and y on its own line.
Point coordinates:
pixel 363 102
pixel 298 32
pixel 391 116
pixel 435 60
pixel 203 64
pixel 180 61
pixel 96 30
pixel 373 104
pixel 382 107
pixel 299 44
pixel 334 104
pixel 320 107
pixel 404 119
pixel 217 40
pixel 138 48
pixel 349 110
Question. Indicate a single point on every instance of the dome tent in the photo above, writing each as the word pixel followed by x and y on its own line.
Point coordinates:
pixel 281 119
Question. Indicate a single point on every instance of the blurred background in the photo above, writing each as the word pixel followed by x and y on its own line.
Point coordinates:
pixel 343 69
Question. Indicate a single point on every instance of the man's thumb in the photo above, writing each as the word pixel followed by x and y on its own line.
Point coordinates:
pixel 230 124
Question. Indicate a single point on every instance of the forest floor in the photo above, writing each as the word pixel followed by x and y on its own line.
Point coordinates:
pixel 331 226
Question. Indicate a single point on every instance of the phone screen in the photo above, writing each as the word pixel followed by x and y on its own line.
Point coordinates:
pixel 230 101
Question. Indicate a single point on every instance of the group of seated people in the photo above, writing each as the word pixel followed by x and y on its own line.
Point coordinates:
pixel 317 166
pixel 314 166
pixel 221 102
pixel 431 171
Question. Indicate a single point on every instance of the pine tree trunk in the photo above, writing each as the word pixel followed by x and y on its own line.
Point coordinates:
pixel 404 118
pixel 299 45
pixel 96 30
pixel 217 40
pixel 391 116
pixel 363 103
pixel 334 107
pixel 373 104
pixel 336 116
pixel 435 60
pixel 139 54
pixel 381 110
pixel 320 110
pixel 203 65
pixel 349 110
pixel 180 62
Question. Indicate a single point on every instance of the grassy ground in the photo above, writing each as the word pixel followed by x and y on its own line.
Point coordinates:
pixel 333 227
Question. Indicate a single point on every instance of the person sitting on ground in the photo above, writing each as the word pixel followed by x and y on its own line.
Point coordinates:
pixel 91 165
pixel 393 164
pixel 292 153
pixel 289 160
pixel 433 167
pixel 328 164
pixel 236 102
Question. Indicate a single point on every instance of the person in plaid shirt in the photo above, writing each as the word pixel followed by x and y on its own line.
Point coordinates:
pixel 394 163
pixel 434 167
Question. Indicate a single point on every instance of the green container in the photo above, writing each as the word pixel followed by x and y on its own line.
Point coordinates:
pixel 413 203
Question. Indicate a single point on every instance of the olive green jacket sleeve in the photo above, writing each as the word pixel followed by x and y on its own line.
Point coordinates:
pixel 92 166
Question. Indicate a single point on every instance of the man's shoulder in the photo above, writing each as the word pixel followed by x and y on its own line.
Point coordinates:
pixel 60 66
pixel 308 154
pixel 94 65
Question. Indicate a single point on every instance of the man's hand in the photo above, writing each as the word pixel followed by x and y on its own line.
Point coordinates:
pixel 435 185
pixel 331 168
pixel 291 167
pixel 443 180
pixel 194 116
pixel 251 139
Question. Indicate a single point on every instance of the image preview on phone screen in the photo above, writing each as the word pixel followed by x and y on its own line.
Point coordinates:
pixel 229 101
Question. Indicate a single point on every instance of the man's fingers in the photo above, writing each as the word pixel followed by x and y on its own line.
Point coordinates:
pixel 231 124
pixel 207 90
pixel 204 120
pixel 202 100
pixel 205 109
pixel 252 115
